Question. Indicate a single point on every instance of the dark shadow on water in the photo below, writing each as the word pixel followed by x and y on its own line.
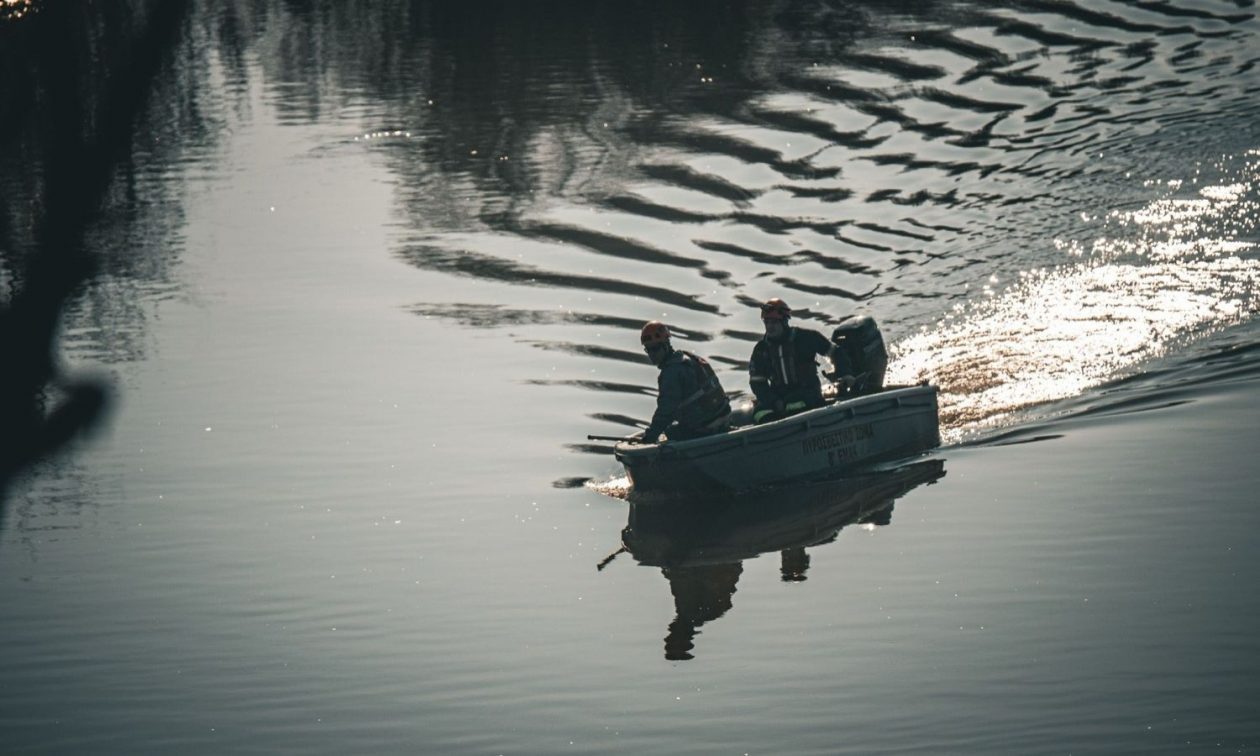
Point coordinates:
pixel 74 81
pixel 700 544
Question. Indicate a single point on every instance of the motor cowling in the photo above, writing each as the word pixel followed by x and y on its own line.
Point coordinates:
pixel 860 352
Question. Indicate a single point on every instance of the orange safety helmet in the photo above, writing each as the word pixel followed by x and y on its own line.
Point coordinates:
pixel 775 309
pixel 653 333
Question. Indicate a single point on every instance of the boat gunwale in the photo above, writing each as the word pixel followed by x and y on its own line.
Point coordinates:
pixel 817 418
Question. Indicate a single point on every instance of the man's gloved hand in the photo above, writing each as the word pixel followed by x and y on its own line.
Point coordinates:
pixel 645 439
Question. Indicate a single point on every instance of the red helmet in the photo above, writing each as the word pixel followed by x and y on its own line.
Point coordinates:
pixel 775 309
pixel 654 332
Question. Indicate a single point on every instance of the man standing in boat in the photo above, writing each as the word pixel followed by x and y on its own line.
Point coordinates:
pixel 690 402
pixel 783 372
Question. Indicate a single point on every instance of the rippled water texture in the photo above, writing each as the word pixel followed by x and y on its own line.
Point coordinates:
pixel 359 279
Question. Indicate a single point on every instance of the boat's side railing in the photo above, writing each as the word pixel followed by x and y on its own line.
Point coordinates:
pixel 867 406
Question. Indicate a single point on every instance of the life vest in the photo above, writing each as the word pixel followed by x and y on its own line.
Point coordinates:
pixel 708 403
pixel 790 366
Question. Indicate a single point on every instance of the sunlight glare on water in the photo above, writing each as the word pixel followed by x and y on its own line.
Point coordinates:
pixel 368 275
pixel 1057 332
pixel 15 9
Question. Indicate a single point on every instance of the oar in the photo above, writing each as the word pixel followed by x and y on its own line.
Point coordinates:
pixel 611 438
pixel 600 567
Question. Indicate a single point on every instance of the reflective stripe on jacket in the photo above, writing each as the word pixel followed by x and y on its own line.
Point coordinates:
pixel 786 369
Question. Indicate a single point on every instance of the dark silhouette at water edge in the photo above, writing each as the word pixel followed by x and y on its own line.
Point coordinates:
pixel 75 80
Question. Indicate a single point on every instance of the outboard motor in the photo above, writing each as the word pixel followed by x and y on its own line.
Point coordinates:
pixel 859 353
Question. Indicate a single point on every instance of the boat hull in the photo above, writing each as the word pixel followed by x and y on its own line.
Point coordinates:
pixel 724 528
pixel 832 440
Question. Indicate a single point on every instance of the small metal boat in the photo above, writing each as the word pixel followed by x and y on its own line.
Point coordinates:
pixel 893 424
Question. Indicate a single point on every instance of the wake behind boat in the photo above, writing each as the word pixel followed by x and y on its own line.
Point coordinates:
pixel 893 424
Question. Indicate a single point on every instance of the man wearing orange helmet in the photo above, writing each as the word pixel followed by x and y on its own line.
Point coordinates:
pixel 690 402
pixel 783 372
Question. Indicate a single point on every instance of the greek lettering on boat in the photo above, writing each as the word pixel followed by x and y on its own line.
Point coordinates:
pixel 841 437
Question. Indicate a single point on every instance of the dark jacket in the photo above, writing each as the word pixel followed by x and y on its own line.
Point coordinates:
pixel 690 398
pixel 785 370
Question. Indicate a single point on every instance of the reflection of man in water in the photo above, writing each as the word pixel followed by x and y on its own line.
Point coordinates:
pixel 793 563
pixel 701 594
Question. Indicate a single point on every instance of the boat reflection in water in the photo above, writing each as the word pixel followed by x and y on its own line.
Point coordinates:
pixel 700 543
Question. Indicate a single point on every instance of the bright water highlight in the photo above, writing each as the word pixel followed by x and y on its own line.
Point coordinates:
pixel 369 273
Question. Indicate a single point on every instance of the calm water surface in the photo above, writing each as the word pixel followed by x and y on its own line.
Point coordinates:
pixel 370 273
